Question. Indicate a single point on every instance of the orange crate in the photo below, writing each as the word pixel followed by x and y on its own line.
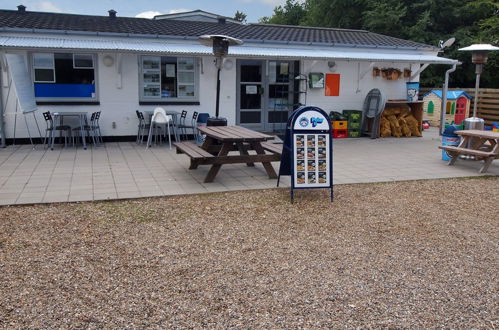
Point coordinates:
pixel 340 124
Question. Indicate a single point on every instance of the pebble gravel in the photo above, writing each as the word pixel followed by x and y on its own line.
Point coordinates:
pixel 417 254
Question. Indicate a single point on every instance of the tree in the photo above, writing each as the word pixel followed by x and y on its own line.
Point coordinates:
pixel 291 13
pixel 240 16
pixel 426 21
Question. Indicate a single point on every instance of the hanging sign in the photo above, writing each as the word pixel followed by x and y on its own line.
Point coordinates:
pixel 308 149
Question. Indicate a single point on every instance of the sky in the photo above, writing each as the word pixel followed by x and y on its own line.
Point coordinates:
pixel 253 8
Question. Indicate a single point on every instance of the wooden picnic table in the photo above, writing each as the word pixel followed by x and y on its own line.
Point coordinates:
pixel 220 140
pixel 484 145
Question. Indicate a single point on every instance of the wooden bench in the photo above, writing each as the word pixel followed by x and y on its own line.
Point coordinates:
pixel 272 147
pixel 454 152
pixel 195 153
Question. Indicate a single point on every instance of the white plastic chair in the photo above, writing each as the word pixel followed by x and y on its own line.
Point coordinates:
pixel 159 118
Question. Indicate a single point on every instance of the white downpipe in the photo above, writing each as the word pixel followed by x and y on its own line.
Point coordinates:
pixel 444 97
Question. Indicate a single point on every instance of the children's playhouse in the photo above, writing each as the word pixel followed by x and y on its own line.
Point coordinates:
pixel 456 110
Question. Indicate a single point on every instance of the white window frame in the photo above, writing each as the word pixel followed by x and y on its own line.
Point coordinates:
pixel 43 68
pixel 94 99
pixel 158 98
pixel 83 67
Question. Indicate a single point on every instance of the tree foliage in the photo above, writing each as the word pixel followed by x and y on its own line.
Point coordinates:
pixel 427 21
pixel 240 16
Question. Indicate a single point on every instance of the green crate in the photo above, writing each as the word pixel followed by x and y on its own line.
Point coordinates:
pixel 354 133
pixel 353 115
pixel 334 115
pixel 354 125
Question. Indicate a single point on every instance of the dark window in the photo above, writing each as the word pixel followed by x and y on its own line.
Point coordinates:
pixel 278 116
pixel 250 97
pixel 64 75
pixel 251 73
pixel 250 117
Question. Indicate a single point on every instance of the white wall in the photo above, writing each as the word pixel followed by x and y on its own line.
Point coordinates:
pixel 119 99
pixel 352 91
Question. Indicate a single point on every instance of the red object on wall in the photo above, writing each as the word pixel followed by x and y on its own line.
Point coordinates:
pixel 332 84
pixel 460 110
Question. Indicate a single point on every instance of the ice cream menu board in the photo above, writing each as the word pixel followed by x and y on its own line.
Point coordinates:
pixel 311 168
pixel 307 151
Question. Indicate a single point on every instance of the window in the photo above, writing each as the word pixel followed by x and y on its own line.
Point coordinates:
pixel 168 78
pixel 64 76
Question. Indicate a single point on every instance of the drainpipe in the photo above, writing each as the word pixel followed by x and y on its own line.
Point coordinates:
pixel 2 124
pixel 444 97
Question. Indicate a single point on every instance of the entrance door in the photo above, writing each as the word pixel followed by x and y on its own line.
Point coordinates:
pixel 460 110
pixel 265 94
pixel 250 94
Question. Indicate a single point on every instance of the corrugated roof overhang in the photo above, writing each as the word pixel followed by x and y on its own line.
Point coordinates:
pixel 150 46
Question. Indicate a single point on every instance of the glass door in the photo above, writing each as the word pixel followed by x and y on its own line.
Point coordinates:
pixel 265 94
pixel 250 94
pixel 280 96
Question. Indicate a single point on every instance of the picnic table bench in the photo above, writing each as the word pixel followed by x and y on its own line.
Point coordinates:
pixel 220 140
pixel 484 145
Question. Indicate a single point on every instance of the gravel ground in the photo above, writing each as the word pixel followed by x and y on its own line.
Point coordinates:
pixel 406 254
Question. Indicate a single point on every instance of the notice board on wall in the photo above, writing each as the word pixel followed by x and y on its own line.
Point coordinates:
pixel 332 84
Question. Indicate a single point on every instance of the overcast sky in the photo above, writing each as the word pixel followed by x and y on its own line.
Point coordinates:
pixel 253 8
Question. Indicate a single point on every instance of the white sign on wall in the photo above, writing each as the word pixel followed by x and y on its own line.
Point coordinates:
pixel 22 82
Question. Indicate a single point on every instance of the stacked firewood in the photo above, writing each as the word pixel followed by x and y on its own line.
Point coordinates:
pixel 398 121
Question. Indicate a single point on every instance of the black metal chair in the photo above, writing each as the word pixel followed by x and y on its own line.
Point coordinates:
pixel 92 129
pixel 143 127
pixel 51 128
pixel 184 127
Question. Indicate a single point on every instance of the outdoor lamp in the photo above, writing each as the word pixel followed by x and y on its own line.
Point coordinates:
pixel 479 54
pixel 220 45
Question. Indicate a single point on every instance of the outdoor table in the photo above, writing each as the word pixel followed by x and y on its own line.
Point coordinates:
pixel 174 115
pixel 481 144
pixel 82 118
pixel 220 140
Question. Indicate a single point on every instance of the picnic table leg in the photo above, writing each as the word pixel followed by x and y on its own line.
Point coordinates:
pixel 453 158
pixel 244 152
pixel 194 164
pixel 267 165
pixel 486 165
pixel 212 173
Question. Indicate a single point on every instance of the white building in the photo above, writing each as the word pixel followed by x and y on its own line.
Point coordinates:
pixel 119 65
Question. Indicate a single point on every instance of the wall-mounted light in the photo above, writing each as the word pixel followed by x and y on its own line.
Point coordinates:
pixel 228 64
pixel 108 60
pixel 331 65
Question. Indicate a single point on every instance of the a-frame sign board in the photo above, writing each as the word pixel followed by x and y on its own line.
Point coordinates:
pixel 308 150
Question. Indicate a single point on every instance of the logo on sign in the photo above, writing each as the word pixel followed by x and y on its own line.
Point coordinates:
pixel 316 121
pixel 303 121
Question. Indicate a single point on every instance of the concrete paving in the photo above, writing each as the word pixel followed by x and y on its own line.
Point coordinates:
pixel 127 170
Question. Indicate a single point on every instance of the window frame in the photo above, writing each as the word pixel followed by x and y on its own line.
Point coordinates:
pixel 43 68
pixel 66 100
pixel 83 67
pixel 167 100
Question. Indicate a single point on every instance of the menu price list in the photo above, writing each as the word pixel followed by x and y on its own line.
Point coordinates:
pixel 311 155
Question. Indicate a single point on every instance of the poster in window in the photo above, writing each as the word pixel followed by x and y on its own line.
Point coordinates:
pixel 170 71
pixel 284 68
pixel 251 89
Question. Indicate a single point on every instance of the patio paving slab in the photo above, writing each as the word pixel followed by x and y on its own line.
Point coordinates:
pixel 127 170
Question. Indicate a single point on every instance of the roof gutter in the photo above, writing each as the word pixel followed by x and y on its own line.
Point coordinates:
pixel 161 36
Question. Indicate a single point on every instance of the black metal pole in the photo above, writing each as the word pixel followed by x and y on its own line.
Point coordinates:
pixel 217 108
